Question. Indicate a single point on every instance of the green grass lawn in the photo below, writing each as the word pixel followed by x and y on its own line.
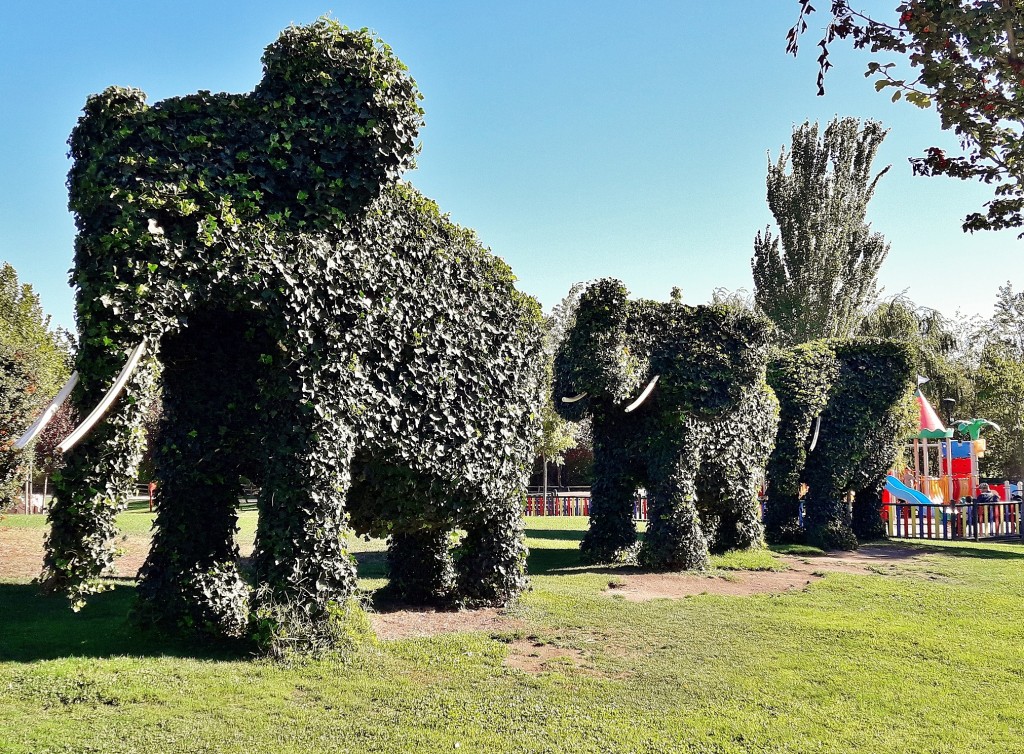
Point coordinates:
pixel 930 659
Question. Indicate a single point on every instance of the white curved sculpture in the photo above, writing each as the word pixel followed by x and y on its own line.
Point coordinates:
pixel 84 428
pixel 643 396
pixel 817 428
pixel 39 424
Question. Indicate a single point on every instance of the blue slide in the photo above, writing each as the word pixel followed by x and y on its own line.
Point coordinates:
pixel 907 494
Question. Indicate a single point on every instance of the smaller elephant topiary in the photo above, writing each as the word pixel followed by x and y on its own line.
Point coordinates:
pixel 680 407
pixel 845 409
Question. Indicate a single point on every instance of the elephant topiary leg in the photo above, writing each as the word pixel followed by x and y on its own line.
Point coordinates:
pixel 675 538
pixel 782 518
pixel 867 520
pixel 300 561
pixel 741 526
pixel 95 483
pixel 190 578
pixel 827 521
pixel 612 530
pixel 728 506
pixel 421 567
pixel 491 566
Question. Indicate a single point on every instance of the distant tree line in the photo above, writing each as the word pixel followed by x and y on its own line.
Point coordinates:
pixel 35 362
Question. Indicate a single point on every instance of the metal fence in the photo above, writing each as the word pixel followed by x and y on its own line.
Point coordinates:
pixel 573 505
pixel 954 520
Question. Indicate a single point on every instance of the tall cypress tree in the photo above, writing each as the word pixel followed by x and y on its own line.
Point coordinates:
pixel 814 278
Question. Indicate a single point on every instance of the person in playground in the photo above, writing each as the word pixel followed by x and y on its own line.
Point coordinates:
pixel 985 494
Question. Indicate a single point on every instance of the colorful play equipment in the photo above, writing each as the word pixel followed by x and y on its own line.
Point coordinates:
pixel 935 498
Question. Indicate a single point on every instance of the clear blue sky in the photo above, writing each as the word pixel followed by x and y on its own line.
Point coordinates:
pixel 580 139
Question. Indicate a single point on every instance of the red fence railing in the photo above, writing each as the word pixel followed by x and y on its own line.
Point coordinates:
pixel 573 505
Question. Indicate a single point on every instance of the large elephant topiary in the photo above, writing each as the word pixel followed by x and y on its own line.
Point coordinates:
pixel 318 327
pixel 845 410
pixel 679 406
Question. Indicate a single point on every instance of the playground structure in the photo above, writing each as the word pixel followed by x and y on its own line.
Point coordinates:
pixel 942 505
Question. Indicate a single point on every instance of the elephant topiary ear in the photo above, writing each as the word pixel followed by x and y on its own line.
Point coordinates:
pixel 341 115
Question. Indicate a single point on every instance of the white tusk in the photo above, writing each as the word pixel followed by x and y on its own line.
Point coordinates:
pixel 97 413
pixel 817 427
pixel 644 394
pixel 575 397
pixel 48 412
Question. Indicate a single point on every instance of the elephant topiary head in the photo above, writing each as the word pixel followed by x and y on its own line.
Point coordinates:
pixel 595 366
pixel 214 187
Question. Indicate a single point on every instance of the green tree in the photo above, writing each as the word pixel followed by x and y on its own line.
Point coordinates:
pixel 26 329
pixel 17 403
pixel 966 60
pixel 1007 323
pixel 937 351
pixel 557 434
pixel 1000 385
pixel 814 278
pixel 35 362
pixel 999 382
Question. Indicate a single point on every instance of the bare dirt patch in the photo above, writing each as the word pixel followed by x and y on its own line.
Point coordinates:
pixel 539 657
pixel 800 572
pixel 409 623
pixel 21 554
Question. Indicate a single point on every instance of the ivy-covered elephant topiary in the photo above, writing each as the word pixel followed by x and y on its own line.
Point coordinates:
pixel 679 406
pixel 318 328
pixel 845 409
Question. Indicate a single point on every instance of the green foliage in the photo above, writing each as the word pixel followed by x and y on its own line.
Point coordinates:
pixel 861 390
pixel 933 341
pixel 802 378
pixel 25 329
pixel 1007 323
pixel 698 443
pixel 814 278
pixel 324 331
pixel 557 434
pixel 34 364
pixel 965 58
pixel 17 404
pixel 995 365
pixel 1000 385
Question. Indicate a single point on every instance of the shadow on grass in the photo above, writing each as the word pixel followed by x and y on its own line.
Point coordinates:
pixel 959 551
pixel 547 561
pixel 35 627
pixel 558 560
pixel 371 565
pixel 561 535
